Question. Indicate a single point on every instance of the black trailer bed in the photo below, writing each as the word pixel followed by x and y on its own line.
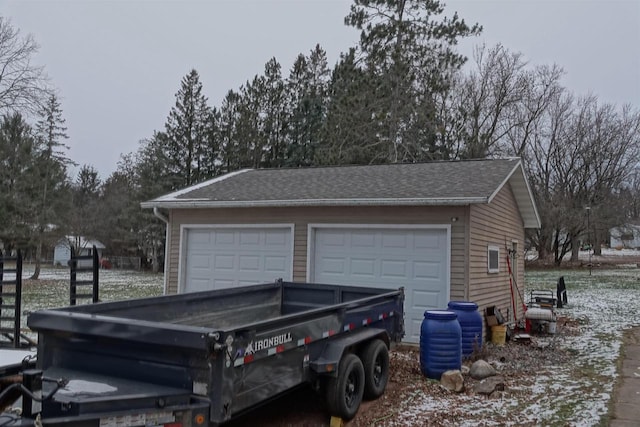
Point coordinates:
pixel 228 349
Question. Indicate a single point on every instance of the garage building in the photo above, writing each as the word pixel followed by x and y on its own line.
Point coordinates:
pixel 442 230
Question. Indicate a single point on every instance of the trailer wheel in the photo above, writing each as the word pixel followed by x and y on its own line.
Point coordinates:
pixel 344 393
pixel 375 359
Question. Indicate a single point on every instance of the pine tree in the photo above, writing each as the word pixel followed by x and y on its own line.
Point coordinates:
pixel 229 144
pixel 413 54
pixel 307 101
pixel 187 130
pixel 350 132
pixel 18 178
pixel 273 115
pixel 52 162
pixel 85 218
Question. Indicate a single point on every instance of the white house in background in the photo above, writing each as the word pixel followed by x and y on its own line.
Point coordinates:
pixel 626 236
pixel 62 250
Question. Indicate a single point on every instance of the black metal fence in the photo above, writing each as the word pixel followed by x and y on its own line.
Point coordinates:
pixel 11 302
pixel 83 266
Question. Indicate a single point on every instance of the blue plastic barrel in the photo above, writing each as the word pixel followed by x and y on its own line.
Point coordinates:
pixel 470 321
pixel 440 343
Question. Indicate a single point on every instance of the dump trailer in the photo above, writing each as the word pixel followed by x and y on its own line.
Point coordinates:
pixel 200 359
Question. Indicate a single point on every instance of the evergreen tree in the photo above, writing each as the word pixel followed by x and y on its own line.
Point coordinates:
pixel 209 153
pixel 228 133
pixel 273 115
pixel 350 134
pixel 413 55
pixel 187 130
pixel 248 144
pixel 150 183
pixel 307 87
pixel 119 207
pixel 86 217
pixel 52 164
pixel 18 179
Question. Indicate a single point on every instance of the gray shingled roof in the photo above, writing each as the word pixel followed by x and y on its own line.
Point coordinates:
pixel 432 183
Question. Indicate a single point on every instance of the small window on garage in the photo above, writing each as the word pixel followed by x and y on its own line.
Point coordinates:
pixel 493 258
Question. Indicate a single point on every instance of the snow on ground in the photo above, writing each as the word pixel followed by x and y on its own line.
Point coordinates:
pixel 573 393
pixel 52 288
pixel 603 304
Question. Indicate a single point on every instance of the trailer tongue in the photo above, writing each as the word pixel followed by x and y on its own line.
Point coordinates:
pixel 202 358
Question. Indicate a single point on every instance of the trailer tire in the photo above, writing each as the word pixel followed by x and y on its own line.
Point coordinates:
pixel 343 393
pixel 375 359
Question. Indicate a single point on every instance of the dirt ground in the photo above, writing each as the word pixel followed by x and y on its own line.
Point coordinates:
pixel 305 408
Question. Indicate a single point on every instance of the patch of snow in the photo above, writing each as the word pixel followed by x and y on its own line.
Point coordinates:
pixel 578 393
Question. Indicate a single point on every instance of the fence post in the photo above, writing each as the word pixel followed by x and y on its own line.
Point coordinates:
pixel 96 272
pixel 76 268
pixel 18 307
pixel 72 279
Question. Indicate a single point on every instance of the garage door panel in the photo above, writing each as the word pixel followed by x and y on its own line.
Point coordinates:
pixel 395 240
pixel 220 237
pixel 275 263
pixel 249 263
pixel 412 329
pixel 332 239
pixel 224 262
pixel 427 270
pixel 332 265
pixel 428 242
pixel 393 269
pixel 362 267
pixel 222 283
pixel 423 300
pixel 416 259
pixel 200 238
pixel 249 238
pixel 218 258
pixel 363 240
pixel 201 285
pixel 275 239
pixel 201 260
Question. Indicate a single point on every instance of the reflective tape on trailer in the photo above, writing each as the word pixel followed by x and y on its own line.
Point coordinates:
pixel 329 333
pixel 308 339
pixel 304 341
pixel 275 350
pixel 242 360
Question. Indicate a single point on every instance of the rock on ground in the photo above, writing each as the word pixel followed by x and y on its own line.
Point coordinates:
pixel 481 369
pixel 452 380
pixel 489 385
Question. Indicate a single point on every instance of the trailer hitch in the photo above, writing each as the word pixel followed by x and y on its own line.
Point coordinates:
pixel 31 389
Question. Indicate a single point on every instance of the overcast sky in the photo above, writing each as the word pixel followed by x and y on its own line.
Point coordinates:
pixel 117 64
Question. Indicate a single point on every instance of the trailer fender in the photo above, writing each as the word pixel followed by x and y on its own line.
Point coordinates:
pixel 329 357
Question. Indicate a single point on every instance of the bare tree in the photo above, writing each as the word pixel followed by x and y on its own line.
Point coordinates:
pixel 543 159
pixel 581 155
pixel 23 86
pixel 485 95
pixel 499 102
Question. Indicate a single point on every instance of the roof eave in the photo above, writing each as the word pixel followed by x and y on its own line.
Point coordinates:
pixel 524 199
pixel 204 203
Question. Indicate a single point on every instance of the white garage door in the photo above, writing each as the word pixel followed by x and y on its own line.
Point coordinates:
pixel 417 259
pixel 219 258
